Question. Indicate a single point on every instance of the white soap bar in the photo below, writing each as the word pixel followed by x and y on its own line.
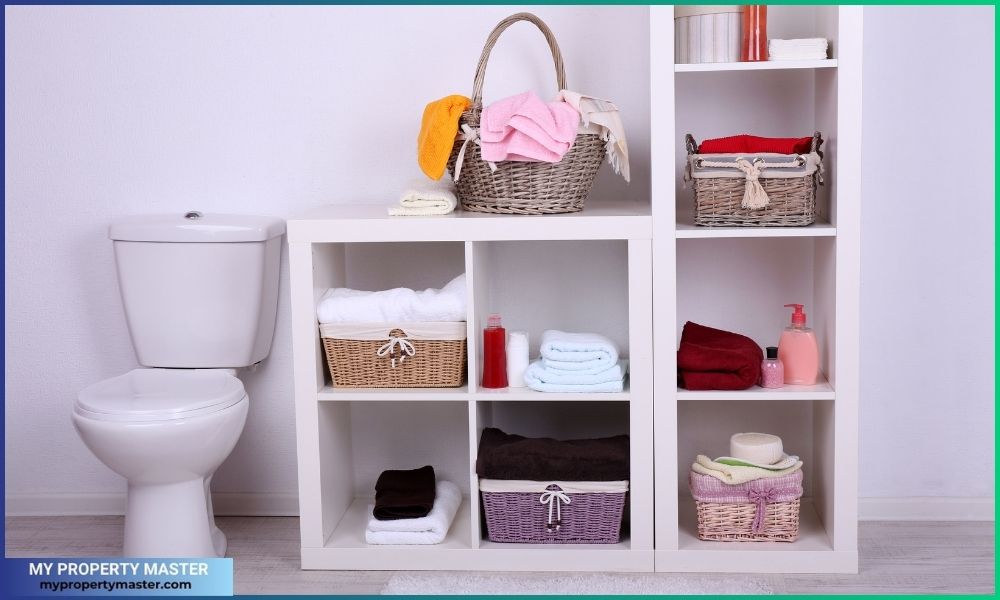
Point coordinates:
pixel 760 448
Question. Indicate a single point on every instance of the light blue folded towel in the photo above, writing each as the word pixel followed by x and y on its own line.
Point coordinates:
pixel 586 352
pixel 538 378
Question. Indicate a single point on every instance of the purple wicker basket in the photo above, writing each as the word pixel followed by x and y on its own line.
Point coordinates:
pixel 554 516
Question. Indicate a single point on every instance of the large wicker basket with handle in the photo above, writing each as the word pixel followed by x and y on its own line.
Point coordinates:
pixel 516 187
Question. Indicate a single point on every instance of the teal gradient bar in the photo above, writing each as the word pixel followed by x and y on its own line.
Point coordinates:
pixel 115 576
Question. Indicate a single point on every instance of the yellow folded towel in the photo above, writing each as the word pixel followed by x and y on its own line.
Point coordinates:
pixel 437 133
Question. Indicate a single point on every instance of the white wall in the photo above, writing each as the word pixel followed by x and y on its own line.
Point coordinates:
pixel 112 111
pixel 927 235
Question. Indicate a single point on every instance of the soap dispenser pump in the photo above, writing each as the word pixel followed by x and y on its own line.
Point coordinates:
pixel 798 350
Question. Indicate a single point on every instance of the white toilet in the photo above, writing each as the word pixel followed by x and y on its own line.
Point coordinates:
pixel 200 294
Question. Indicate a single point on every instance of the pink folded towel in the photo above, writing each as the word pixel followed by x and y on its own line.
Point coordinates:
pixel 525 128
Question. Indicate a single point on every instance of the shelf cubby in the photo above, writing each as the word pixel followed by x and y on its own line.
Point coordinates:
pixel 408 435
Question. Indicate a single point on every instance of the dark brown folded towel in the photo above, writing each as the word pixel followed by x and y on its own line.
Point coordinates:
pixel 404 494
pixel 506 456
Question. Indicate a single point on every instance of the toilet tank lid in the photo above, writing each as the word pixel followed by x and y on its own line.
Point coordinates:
pixel 195 226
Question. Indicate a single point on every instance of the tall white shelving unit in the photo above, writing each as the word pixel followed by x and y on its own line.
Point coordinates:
pixel 738 279
pixel 657 270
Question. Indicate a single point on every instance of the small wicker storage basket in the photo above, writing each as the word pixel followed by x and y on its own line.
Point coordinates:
pixel 428 355
pixel 763 510
pixel 521 187
pixel 718 198
pixel 553 513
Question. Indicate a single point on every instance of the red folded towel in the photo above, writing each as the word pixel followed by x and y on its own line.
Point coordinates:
pixel 712 359
pixel 754 144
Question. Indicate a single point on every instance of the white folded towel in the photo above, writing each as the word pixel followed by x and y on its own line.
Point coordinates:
pixel 538 378
pixel 589 352
pixel 431 529
pixel 399 305
pixel 423 197
pixel 798 49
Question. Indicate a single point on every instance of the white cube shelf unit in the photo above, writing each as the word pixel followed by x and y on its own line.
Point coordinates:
pixel 590 271
pixel 635 272
pixel 738 278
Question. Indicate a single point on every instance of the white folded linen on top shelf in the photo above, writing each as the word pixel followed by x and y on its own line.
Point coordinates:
pixel 798 49
pixel 343 305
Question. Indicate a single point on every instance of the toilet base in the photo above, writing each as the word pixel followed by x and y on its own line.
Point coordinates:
pixel 172 520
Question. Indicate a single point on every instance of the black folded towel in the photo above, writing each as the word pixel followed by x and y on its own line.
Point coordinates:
pixel 404 494
pixel 506 456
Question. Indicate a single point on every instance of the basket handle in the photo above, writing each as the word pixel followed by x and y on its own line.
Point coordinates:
pixel 477 85
pixel 690 144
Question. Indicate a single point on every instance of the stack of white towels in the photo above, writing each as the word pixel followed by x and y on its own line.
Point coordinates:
pixel 576 362
pixel 800 49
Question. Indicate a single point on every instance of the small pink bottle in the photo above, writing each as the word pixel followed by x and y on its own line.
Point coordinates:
pixel 772 372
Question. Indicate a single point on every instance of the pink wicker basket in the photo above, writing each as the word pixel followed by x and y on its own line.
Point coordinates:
pixel 558 514
pixel 763 510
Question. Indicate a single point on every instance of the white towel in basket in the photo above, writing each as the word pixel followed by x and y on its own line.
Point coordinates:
pixel 398 305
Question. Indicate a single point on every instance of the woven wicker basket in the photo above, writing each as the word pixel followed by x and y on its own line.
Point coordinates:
pixel 718 200
pixel 719 522
pixel 397 358
pixel 554 516
pixel 763 510
pixel 522 187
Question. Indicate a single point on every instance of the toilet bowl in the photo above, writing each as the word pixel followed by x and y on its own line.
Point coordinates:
pixel 165 431
pixel 200 295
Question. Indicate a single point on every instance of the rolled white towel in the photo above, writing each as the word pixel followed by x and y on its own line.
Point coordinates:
pixel 343 305
pixel 431 529
pixel 422 198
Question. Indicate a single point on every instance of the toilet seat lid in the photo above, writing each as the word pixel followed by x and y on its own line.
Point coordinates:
pixel 160 394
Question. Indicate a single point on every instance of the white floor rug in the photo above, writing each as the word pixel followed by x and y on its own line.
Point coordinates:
pixel 450 582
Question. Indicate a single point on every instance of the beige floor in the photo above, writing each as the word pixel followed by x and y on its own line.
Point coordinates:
pixel 896 557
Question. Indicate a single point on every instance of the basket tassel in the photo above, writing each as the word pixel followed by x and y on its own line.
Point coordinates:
pixel 761 498
pixel 554 497
pixel 754 197
pixel 405 349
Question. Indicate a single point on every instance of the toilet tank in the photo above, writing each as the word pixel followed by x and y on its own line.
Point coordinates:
pixel 199 290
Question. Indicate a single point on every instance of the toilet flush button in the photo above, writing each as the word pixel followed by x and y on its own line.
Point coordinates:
pixel 194 214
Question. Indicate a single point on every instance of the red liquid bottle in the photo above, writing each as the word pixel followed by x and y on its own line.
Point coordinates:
pixel 494 354
pixel 754 33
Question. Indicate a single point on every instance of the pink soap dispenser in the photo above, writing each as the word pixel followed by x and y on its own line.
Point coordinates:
pixel 798 350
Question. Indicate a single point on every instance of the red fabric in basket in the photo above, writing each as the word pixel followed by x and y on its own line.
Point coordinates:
pixel 754 144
